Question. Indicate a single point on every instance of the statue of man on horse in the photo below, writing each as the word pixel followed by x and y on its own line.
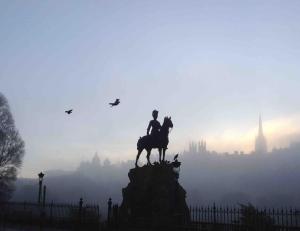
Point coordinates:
pixel 158 138
pixel 154 125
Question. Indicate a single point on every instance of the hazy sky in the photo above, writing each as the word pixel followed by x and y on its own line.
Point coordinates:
pixel 211 65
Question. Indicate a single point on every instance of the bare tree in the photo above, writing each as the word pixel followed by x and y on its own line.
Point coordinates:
pixel 11 150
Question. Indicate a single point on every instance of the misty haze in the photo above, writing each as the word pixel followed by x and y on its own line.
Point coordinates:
pixel 167 115
pixel 265 180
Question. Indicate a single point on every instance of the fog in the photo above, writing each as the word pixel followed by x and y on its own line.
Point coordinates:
pixel 265 180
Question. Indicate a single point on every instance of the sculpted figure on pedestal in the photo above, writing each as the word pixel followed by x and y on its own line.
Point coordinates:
pixel 158 138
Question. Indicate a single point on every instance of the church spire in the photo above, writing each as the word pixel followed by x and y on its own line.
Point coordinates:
pixel 260 129
pixel 260 143
pixel 96 160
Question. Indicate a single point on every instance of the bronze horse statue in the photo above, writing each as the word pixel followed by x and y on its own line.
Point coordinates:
pixel 160 142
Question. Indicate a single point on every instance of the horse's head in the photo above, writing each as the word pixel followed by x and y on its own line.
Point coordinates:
pixel 168 122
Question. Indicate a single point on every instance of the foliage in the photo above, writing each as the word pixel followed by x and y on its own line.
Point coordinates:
pixel 11 150
pixel 253 220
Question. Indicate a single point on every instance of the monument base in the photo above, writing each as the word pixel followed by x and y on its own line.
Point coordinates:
pixel 154 198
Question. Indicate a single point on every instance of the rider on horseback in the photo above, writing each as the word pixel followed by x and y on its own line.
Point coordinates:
pixel 154 125
pixel 158 138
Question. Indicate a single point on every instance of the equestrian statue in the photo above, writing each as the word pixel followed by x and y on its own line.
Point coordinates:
pixel 158 138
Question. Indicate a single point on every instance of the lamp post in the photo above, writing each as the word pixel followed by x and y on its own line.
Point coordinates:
pixel 40 175
pixel 44 196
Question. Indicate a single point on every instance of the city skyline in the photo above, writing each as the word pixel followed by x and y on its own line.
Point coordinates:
pixel 260 144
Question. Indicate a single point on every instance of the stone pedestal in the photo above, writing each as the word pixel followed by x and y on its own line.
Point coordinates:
pixel 154 197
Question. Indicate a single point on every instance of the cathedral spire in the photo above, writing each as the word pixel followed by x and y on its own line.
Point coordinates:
pixel 260 129
pixel 96 159
pixel 260 142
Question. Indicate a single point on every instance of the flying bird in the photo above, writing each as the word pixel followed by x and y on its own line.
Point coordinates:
pixel 69 111
pixel 176 156
pixel 117 101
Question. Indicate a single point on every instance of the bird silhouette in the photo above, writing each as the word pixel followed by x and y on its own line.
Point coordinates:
pixel 117 101
pixel 176 156
pixel 69 111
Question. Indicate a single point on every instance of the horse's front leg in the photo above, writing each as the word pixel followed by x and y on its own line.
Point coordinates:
pixel 159 151
pixel 148 156
pixel 164 153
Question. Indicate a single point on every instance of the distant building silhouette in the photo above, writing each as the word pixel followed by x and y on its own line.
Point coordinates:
pixel 96 160
pixel 199 147
pixel 260 142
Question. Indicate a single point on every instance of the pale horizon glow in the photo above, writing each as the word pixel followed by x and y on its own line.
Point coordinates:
pixel 279 132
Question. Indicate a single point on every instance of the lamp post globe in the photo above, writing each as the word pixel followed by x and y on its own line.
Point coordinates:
pixel 40 175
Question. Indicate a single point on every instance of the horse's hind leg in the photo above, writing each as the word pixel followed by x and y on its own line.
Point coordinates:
pixel 159 151
pixel 148 157
pixel 137 157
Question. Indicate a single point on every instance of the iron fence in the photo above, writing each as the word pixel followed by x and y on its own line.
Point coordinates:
pixel 220 218
pixel 49 214
pixel 245 217
pixel 202 218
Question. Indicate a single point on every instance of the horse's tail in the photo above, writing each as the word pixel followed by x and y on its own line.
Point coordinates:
pixel 139 143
